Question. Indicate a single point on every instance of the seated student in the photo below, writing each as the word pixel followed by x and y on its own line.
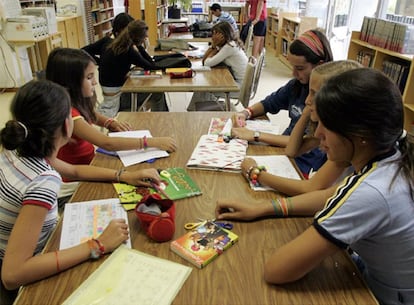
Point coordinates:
pixel 361 116
pixel 97 48
pixel 126 50
pixel 223 16
pixel 305 53
pixel 29 186
pixel 75 70
pixel 226 48
pixel 302 140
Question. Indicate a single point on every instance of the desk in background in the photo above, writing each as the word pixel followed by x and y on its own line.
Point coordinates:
pixel 216 80
pixel 236 277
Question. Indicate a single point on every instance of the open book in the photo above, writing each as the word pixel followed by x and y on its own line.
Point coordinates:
pixel 224 125
pixel 279 165
pixel 131 277
pixel 130 157
pixel 211 153
pixel 85 220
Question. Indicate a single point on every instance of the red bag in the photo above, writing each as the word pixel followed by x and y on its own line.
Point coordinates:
pixel 160 227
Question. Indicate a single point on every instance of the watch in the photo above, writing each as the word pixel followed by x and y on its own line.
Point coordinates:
pixel 256 136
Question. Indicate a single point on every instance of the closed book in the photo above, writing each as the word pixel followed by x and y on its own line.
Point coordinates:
pixel 177 184
pixel 146 74
pixel 203 244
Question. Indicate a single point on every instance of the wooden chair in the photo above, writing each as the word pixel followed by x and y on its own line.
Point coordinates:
pixel 258 72
pixel 249 42
pixel 245 91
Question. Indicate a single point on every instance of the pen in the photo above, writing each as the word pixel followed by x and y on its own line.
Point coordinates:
pixel 159 189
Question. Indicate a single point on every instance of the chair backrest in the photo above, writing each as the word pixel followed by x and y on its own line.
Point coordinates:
pixel 249 41
pixel 258 72
pixel 247 84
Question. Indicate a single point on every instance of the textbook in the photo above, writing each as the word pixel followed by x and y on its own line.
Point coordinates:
pixel 213 153
pixel 129 276
pixel 221 125
pixel 203 244
pixel 176 184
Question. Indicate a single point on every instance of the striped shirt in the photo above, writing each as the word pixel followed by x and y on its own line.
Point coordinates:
pixel 373 214
pixel 227 17
pixel 26 181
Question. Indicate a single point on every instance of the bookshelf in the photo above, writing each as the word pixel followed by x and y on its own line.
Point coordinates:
pixel 236 9
pixel 102 12
pixel 273 28
pixel 290 29
pixel 380 59
pixel 155 13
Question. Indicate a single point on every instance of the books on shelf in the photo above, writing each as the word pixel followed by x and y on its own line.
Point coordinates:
pixel 203 244
pixel 394 36
pixel 129 276
pixel 130 157
pixel 212 153
pixel 85 220
pixel 177 185
pixel 278 165
pixel 397 70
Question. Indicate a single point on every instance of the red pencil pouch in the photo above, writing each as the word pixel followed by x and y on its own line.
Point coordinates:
pixel 160 227
pixel 186 74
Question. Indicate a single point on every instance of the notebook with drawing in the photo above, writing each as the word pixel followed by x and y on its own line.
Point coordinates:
pixel 211 153
pixel 221 125
pixel 278 165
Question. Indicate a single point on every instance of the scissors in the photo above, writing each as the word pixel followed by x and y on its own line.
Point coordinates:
pixel 193 225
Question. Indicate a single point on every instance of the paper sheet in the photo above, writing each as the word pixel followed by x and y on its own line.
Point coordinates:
pixel 131 277
pixel 130 157
pixel 279 165
pixel 84 220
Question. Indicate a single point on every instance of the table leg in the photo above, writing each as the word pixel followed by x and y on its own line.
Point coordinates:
pixel 134 101
pixel 142 108
pixel 227 98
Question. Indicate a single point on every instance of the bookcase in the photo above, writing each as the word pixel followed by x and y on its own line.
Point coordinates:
pixel 273 27
pixel 155 12
pixel 379 58
pixel 72 31
pixel 236 9
pixel 290 29
pixel 102 12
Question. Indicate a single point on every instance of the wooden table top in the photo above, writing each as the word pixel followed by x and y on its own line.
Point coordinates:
pixel 236 277
pixel 215 80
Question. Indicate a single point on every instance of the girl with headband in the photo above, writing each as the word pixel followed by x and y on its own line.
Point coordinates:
pixel 308 51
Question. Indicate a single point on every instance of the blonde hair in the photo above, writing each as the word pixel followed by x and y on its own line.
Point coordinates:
pixel 329 69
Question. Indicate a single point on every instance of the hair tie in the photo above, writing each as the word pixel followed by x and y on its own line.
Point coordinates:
pixel 403 135
pixel 26 132
pixel 312 41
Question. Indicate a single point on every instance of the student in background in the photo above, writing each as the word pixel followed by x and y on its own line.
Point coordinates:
pixel 256 15
pixel 97 48
pixel 75 70
pixel 361 117
pixel 223 16
pixel 125 51
pixel 305 53
pixel 226 48
pixel 29 187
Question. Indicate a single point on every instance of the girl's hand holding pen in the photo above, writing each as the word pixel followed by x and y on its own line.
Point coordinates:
pixel 234 209
pixel 242 133
pixel 164 143
pixel 114 234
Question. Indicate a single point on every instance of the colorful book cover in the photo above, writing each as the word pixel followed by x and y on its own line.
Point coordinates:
pixel 203 244
pixel 176 184
pixel 213 154
pixel 218 126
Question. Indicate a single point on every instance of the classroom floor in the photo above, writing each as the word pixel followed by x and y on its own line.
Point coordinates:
pixel 274 75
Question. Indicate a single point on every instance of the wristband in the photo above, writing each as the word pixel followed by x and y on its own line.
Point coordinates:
pixel 100 245
pixel 145 142
pixel 118 175
pixel 95 249
pixel 108 122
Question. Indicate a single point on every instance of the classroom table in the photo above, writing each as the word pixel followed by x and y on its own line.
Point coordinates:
pixel 189 37
pixel 236 276
pixel 218 79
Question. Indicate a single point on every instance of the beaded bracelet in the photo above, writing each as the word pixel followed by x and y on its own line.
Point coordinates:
pixel 100 246
pixel 253 174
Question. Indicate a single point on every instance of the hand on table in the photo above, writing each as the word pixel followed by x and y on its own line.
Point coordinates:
pixel 163 143
pixel 114 234
pixel 242 133
pixel 235 209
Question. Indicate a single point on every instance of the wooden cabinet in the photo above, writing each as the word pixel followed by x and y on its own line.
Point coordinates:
pixel 102 12
pixel 379 60
pixel 73 34
pixel 290 29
